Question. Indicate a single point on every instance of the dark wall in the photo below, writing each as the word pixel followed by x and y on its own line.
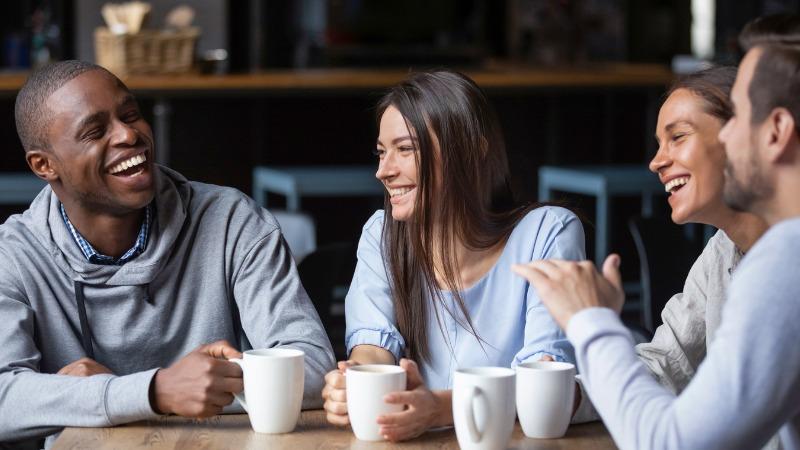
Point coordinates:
pixel 658 29
pixel 220 140
pixel 732 16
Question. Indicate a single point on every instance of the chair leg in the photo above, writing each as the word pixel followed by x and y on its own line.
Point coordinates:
pixel 601 233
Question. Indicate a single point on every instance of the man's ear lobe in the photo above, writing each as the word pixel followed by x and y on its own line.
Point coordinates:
pixel 42 164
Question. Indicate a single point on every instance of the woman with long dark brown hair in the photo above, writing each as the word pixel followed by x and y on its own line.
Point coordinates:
pixel 433 284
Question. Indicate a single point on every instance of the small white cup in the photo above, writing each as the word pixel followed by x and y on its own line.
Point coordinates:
pixel 273 388
pixel 545 395
pixel 483 407
pixel 366 386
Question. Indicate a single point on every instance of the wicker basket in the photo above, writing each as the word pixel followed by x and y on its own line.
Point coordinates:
pixel 148 51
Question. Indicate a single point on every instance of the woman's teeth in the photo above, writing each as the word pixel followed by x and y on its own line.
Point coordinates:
pixel 675 183
pixel 128 163
pixel 399 191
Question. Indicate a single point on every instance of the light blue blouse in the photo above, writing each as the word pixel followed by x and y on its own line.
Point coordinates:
pixel 505 311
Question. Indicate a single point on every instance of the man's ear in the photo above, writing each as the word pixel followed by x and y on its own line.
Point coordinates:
pixel 42 163
pixel 781 135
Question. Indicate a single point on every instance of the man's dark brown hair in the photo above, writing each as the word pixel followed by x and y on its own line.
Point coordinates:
pixel 781 29
pixel 776 83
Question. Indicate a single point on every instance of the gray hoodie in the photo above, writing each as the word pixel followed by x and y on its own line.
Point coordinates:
pixel 215 267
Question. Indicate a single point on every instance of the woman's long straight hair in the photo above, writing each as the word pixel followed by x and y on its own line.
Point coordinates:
pixel 463 197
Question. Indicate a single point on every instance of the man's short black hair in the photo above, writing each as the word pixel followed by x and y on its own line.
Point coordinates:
pixel 30 112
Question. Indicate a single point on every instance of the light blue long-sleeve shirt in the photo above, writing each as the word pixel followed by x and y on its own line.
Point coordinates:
pixel 504 309
pixel 747 388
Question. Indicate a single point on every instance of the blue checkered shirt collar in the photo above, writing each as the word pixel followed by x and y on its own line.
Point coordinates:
pixel 98 258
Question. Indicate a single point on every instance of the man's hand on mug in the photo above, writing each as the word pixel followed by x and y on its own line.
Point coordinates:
pixel 567 287
pixel 335 394
pixel 200 384
pixel 84 367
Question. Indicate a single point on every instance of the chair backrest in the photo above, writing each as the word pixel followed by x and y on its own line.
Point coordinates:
pixel 299 231
pixel 326 274
pixel 639 333
pixel 665 256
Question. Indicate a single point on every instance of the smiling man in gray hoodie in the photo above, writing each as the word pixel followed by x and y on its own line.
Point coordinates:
pixel 124 287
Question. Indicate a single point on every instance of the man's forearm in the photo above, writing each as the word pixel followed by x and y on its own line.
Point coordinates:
pixel 55 401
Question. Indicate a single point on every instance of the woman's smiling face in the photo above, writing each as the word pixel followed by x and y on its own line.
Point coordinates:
pixel 397 164
pixel 690 160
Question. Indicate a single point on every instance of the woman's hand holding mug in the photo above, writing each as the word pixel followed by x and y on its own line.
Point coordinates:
pixel 335 394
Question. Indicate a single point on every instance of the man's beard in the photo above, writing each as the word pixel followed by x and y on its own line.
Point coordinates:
pixel 743 189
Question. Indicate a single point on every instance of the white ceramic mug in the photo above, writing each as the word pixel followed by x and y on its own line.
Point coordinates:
pixel 273 388
pixel 545 396
pixel 483 407
pixel 366 387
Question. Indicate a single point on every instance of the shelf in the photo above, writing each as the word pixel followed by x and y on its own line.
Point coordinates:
pixel 496 77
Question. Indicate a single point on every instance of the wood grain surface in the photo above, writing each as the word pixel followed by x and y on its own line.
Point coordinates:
pixel 312 432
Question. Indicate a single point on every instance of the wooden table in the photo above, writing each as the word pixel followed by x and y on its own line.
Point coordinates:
pixel 312 432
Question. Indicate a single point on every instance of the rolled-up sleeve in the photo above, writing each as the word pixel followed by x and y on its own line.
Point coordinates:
pixel 561 236
pixel 369 309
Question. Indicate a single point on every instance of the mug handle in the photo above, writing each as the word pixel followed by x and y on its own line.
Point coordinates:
pixel 240 396
pixel 469 413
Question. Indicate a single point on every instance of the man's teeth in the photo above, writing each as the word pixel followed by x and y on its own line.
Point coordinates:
pixel 672 184
pixel 128 163
pixel 399 191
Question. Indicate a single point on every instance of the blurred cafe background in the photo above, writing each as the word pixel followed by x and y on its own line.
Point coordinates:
pixel 276 98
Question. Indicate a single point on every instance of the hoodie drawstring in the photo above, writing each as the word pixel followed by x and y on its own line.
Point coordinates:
pixel 86 333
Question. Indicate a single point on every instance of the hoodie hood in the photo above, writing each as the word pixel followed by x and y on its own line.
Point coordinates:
pixel 172 199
